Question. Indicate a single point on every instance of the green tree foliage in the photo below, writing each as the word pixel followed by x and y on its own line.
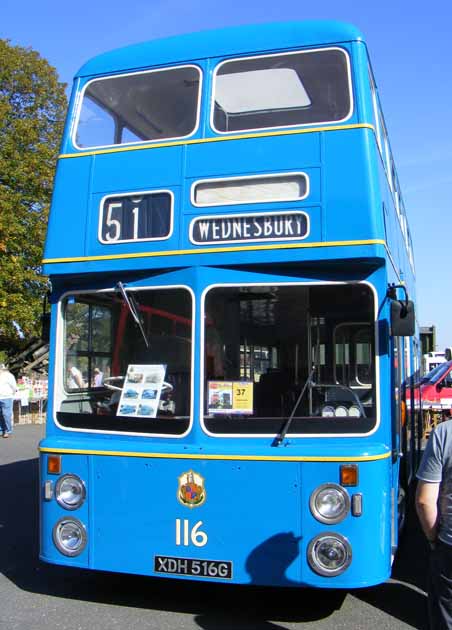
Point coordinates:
pixel 32 108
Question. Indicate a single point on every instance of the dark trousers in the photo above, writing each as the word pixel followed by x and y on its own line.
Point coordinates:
pixel 440 588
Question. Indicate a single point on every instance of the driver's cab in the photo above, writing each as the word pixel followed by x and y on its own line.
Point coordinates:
pixel 127 360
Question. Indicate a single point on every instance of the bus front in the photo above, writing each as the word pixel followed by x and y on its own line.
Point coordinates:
pixel 269 483
pixel 224 389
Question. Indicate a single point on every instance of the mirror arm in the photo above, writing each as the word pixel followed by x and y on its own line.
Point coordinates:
pixel 391 294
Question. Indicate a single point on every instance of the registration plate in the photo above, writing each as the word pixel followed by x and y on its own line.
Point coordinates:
pixel 219 569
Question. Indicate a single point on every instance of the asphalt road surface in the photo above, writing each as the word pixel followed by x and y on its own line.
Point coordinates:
pixel 36 596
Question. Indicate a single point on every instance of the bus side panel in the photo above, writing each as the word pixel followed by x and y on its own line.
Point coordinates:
pixel 52 512
pixel 369 534
pixel 349 188
pixel 68 215
pixel 262 155
pixel 152 170
pixel 147 169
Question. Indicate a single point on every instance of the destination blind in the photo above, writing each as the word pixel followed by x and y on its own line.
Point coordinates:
pixel 254 227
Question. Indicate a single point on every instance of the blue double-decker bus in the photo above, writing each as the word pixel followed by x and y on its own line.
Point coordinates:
pixel 232 315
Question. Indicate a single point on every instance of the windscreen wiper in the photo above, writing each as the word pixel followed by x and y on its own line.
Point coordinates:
pixel 132 305
pixel 280 437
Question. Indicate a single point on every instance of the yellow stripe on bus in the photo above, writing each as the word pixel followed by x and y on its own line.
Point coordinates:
pixel 214 250
pixel 266 458
pixel 245 136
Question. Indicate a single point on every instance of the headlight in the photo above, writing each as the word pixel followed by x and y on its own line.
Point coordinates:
pixel 329 554
pixel 329 503
pixel 354 411
pixel 341 411
pixel 69 536
pixel 70 492
pixel 327 411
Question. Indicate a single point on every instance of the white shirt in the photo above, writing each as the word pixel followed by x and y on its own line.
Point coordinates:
pixel 8 385
pixel 75 378
pixel 98 378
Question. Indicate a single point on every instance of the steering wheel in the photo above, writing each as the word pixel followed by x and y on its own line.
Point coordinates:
pixel 166 387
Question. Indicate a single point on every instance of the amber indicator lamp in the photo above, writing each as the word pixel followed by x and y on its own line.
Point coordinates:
pixel 349 475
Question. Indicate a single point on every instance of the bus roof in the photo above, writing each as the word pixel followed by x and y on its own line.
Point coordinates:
pixel 217 43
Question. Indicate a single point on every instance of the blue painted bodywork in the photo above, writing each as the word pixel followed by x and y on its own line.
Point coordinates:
pixel 256 513
pixel 253 515
pixel 239 40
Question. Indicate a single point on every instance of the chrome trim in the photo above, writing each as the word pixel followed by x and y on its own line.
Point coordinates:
pixel 58 498
pixel 84 539
pixel 320 517
pixel 357 504
pixel 315 564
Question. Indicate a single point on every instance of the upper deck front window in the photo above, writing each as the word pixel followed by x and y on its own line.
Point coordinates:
pixel 282 90
pixel 139 107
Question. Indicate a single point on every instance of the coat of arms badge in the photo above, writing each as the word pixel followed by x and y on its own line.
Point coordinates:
pixel 191 491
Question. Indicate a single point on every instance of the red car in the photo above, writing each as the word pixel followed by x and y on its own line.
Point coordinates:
pixel 436 387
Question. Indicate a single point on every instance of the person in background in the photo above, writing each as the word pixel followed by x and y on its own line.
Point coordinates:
pixel 75 377
pixel 8 388
pixel 434 509
pixel 98 378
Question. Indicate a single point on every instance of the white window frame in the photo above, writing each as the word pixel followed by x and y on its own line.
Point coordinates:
pixel 81 97
pixel 202 371
pixel 59 391
pixel 137 194
pixel 251 178
pixel 283 54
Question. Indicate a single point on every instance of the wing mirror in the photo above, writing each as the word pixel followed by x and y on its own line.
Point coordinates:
pixel 403 318
pixel 45 320
pixel 45 327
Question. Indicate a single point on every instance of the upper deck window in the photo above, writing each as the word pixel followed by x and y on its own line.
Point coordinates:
pixel 139 107
pixel 282 90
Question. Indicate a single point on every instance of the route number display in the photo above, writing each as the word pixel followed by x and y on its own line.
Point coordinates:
pixel 136 217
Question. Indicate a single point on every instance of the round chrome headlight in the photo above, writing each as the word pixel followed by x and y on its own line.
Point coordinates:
pixel 341 411
pixel 329 503
pixel 69 536
pixel 328 411
pixel 354 411
pixel 329 554
pixel 70 492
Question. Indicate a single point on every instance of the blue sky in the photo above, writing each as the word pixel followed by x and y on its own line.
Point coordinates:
pixel 410 47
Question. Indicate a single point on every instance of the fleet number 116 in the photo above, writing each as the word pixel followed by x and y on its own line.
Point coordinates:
pixel 186 535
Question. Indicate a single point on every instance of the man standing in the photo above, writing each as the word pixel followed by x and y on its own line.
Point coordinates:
pixel 8 387
pixel 434 508
pixel 75 377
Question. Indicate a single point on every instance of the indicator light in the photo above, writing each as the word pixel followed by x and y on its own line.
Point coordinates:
pixel 54 464
pixel 349 475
